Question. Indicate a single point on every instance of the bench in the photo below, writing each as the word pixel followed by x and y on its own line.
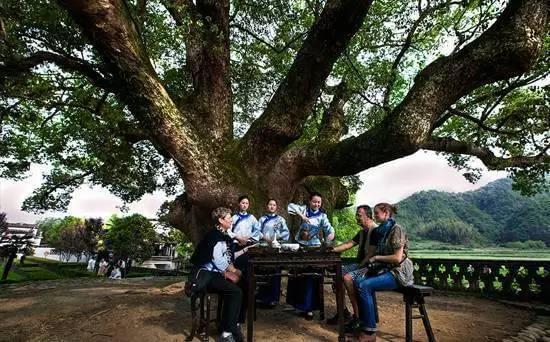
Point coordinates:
pixel 413 296
pixel 200 323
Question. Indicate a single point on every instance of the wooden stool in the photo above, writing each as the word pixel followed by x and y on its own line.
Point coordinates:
pixel 413 296
pixel 200 324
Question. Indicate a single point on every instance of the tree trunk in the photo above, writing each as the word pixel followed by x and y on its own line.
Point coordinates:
pixel 8 265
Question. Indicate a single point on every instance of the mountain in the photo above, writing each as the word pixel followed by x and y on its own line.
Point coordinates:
pixel 493 214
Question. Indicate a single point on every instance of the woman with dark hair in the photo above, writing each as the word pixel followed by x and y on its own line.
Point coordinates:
pixel 273 228
pixel 245 226
pixel 213 263
pixel 303 293
pixel 389 266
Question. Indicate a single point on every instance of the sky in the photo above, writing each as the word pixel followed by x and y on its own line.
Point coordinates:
pixel 390 182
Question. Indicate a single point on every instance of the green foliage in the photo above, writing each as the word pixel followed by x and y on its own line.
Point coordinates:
pixel 529 244
pixel 451 231
pixel 491 215
pixel 131 237
pixel 60 119
pixel 345 226
pixel 71 235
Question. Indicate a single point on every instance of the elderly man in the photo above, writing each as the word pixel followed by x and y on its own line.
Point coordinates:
pixel 351 271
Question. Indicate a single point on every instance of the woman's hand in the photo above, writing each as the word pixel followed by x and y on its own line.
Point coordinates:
pixel 330 237
pixel 305 219
pixel 372 259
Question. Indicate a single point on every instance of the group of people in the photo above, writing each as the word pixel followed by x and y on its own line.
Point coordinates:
pixel 220 261
pixel 114 269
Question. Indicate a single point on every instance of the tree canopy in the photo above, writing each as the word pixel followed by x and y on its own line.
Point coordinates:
pixel 131 237
pixel 71 236
pixel 210 99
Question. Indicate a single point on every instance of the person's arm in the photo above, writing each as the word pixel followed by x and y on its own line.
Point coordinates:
pixel 394 258
pixel 327 228
pixel 255 229
pixel 219 256
pixel 285 233
pixel 296 209
pixel 344 246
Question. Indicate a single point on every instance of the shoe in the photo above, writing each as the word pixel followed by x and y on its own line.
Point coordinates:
pixel 238 335
pixel 367 336
pixel 309 316
pixel 334 320
pixel 229 338
pixel 353 325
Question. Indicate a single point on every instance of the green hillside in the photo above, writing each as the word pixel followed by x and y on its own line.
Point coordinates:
pixel 491 215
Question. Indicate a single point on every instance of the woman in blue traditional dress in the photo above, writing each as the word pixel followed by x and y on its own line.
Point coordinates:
pixel 272 226
pixel 245 226
pixel 303 292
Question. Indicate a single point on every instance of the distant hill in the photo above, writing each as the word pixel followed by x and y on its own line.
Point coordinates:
pixel 493 214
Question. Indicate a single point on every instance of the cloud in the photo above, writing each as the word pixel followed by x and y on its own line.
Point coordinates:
pixel 424 170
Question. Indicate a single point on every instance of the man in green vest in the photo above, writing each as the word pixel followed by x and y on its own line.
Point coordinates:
pixel 357 269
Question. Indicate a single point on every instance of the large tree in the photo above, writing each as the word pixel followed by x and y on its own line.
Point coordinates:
pixel 265 98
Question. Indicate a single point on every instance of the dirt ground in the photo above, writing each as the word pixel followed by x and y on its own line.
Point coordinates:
pixel 155 309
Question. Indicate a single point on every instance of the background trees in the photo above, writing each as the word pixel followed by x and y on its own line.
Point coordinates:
pixel 211 99
pixel 71 236
pixel 131 237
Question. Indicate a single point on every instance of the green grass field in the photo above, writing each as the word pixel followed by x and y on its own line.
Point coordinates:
pixel 484 253
pixel 44 269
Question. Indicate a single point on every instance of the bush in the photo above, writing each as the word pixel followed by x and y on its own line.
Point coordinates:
pixel 529 244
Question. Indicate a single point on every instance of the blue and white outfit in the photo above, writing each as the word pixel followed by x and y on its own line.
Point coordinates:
pixel 303 293
pixel 221 258
pixel 245 224
pixel 318 220
pixel 270 225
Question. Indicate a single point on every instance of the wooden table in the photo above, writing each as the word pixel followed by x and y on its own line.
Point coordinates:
pixel 302 259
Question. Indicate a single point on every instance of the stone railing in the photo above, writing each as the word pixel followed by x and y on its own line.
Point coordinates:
pixel 518 280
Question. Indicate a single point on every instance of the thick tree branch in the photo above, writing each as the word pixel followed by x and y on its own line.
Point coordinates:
pixel 333 126
pixel 207 61
pixel 20 66
pixel 283 119
pixel 109 27
pixel 507 49
pixel 484 154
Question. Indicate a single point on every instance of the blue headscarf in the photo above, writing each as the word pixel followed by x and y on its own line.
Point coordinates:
pixel 384 230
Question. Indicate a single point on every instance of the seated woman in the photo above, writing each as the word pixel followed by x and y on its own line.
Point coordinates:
pixel 272 226
pixel 389 267
pixel 303 293
pixel 213 257
pixel 116 274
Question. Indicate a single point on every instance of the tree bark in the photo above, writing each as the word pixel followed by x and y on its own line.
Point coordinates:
pixel 8 265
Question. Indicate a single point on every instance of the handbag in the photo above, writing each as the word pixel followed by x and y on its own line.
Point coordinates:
pixel 197 281
pixel 376 268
